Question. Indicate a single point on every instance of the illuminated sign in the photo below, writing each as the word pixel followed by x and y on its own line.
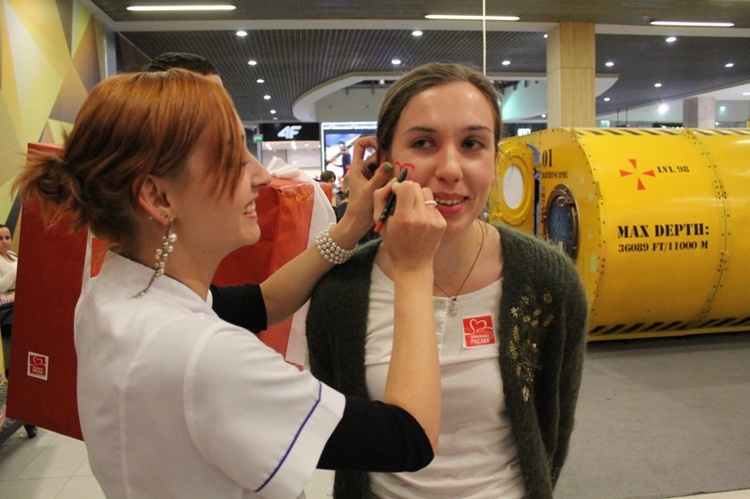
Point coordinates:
pixel 282 132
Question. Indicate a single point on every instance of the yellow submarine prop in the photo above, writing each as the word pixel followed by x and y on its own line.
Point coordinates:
pixel 657 222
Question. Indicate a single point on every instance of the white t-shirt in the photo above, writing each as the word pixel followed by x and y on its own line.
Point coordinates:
pixel 477 456
pixel 8 269
pixel 175 402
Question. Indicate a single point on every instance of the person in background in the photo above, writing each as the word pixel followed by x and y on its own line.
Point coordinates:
pixel 343 202
pixel 185 60
pixel 346 158
pixel 8 267
pixel 510 310
pixel 328 177
pixel 173 400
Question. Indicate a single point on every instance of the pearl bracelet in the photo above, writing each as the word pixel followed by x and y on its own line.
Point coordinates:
pixel 330 250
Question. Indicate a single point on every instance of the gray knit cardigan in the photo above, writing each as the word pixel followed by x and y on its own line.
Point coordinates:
pixel 542 339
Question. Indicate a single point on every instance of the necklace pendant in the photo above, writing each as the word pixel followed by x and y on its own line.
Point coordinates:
pixel 453 309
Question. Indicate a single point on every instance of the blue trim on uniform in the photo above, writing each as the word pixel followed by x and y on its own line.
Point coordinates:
pixel 286 454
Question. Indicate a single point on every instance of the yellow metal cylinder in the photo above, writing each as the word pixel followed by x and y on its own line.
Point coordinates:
pixel 657 221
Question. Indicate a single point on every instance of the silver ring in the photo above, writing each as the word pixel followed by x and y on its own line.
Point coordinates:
pixel 430 202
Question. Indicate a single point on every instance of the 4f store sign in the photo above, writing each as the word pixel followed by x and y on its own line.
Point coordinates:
pixel 283 132
pixel 289 132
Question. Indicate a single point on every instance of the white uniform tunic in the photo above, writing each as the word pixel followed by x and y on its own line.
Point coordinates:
pixel 174 402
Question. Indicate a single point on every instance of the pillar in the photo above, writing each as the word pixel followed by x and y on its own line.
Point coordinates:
pixel 571 74
pixel 699 112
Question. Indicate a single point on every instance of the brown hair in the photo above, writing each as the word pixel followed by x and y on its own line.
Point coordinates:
pixel 131 126
pixel 327 176
pixel 422 78
pixel 185 60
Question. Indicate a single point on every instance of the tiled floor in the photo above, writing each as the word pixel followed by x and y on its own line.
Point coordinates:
pixel 45 467
pixel 53 466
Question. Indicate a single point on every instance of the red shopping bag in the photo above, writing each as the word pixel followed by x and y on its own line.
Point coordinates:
pixel 42 380
pixel 284 214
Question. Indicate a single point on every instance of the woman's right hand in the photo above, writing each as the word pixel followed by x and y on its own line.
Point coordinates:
pixel 412 234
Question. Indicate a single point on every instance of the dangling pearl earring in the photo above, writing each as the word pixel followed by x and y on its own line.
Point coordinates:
pixel 162 255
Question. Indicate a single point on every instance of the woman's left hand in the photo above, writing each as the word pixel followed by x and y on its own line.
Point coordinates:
pixel 366 175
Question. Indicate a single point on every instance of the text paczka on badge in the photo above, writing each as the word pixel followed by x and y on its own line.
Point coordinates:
pixel 478 331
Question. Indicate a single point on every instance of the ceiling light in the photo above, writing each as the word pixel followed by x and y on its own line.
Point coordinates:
pixel 260 80
pixel 722 108
pixel 242 32
pixel 252 62
pixel 607 99
pixel 729 65
pixel 163 8
pixel 657 85
pixel 273 111
pixel 544 115
pixel 416 32
pixel 447 17
pixel 609 64
pixel 745 93
pixel 506 62
pixel 267 97
pixel 671 39
pixel 396 62
pixel 692 24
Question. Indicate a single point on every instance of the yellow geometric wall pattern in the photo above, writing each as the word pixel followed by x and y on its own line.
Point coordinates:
pixel 52 53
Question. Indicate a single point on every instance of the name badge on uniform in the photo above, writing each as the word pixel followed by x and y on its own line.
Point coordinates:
pixel 478 331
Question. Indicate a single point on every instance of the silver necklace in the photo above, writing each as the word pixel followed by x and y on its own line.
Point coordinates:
pixel 453 308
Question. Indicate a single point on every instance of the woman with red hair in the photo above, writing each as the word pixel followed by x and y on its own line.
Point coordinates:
pixel 173 400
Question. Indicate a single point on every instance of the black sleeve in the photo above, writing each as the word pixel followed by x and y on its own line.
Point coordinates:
pixel 241 305
pixel 375 436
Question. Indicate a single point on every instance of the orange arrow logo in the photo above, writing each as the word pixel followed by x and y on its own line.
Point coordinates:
pixel 625 173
